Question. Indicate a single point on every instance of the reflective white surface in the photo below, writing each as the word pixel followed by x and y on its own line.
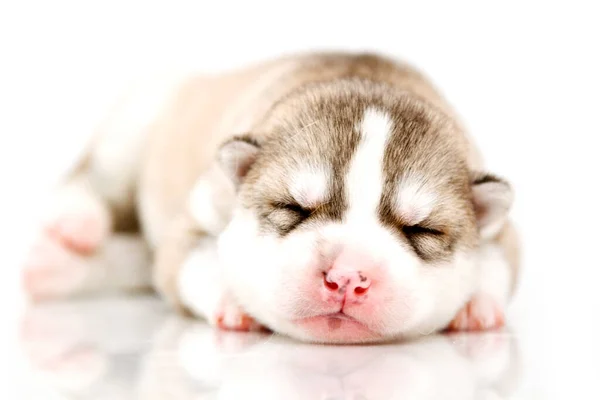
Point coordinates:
pixel 523 75
pixel 133 348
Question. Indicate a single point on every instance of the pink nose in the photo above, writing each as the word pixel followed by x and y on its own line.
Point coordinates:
pixel 347 274
pixel 351 283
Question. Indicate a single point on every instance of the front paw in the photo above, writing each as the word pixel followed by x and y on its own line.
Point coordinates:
pixel 201 292
pixel 229 316
pixel 481 313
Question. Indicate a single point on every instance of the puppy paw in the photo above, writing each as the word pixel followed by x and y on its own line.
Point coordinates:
pixel 231 317
pixel 481 313
pixel 79 223
pixel 58 261
pixel 52 270
pixel 200 291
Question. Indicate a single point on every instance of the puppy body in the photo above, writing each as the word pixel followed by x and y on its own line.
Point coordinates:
pixel 331 197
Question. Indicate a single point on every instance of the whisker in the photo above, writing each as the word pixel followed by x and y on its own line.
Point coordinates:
pixel 302 129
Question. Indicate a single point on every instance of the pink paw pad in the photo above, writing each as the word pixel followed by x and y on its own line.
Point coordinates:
pixel 82 232
pixel 481 313
pixel 57 263
pixel 231 318
pixel 242 323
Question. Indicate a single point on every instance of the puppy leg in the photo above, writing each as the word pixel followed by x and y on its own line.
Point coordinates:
pixel 498 277
pixel 54 270
pixel 202 292
pixel 187 274
pixel 94 201
pixel 83 214
pixel 75 226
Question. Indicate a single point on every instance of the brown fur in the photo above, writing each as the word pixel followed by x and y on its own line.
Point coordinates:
pixel 323 131
pixel 206 111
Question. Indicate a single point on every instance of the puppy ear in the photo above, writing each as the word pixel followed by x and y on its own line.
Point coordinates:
pixel 237 155
pixel 492 200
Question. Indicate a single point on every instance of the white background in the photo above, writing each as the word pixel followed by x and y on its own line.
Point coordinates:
pixel 523 74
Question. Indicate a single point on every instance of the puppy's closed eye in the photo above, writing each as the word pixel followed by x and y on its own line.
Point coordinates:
pixel 286 216
pixel 411 230
pixel 428 243
pixel 294 208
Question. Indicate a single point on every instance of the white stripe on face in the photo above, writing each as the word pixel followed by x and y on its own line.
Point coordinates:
pixel 364 181
pixel 415 201
pixel 310 186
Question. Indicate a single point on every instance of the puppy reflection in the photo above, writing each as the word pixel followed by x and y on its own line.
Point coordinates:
pixel 134 350
pixel 234 366
pixel 89 349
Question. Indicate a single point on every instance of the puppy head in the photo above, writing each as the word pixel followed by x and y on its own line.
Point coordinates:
pixel 357 218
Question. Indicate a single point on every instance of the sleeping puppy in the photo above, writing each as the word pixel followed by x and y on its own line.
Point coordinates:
pixel 333 198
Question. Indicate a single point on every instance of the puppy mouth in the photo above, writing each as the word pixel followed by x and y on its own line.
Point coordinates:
pixel 337 327
pixel 336 315
pixel 339 315
pixel 334 320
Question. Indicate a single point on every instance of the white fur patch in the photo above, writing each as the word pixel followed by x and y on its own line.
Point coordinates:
pixel 199 281
pixel 211 200
pixel 415 201
pixel 309 186
pixel 495 278
pixel 202 206
pixel 364 181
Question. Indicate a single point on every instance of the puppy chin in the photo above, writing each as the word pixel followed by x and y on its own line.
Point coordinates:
pixel 336 330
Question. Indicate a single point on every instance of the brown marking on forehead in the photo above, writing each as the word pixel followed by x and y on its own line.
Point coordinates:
pixel 319 127
pixel 316 129
pixel 424 150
